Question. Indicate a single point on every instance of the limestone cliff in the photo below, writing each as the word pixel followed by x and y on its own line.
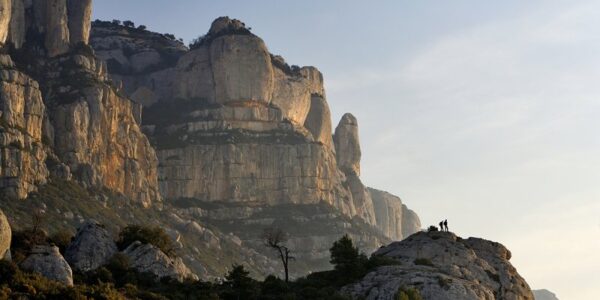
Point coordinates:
pixel 65 117
pixel 233 123
pixel 393 218
pixel 443 266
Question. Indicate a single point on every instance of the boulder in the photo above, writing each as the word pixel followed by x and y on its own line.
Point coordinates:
pixel 148 258
pixel 47 261
pixel 91 248
pixel 347 145
pixel 80 15
pixel 442 266
pixel 5 237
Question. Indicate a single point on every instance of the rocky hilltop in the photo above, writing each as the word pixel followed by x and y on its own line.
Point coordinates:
pixel 61 116
pixel 544 295
pixel 442 266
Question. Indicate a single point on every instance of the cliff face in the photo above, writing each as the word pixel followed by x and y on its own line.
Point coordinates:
pixel 393 218
pixel 64 118
pixel 443 266
pixel 233 123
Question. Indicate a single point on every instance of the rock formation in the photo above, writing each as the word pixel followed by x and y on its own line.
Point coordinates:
pixel 91 248
pixel 392 217
pixel 5 13
pixel 83 125
pixel 347 145
pixel 5 237
pixel 443 266
pixel 47 261
pixel 544 295
pixel 147 258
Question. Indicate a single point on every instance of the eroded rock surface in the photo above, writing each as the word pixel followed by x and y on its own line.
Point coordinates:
pixel 147 258
pixel 47 261
pixel 544 295
pixel 5 237
pixel 393 218
pixel 91 248
pixel 443 266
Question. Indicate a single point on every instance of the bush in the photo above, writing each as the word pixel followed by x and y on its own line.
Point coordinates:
pixel 62 239
pixel 408 294
pixel 155 236
pixel 423 262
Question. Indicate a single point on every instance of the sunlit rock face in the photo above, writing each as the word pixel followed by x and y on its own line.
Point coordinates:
pixel 443 266
pixel 393 218
pixel 66 119
pixel 5 13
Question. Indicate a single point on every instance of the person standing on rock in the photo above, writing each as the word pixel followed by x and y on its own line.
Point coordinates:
pixel 446 225
pixel 441 225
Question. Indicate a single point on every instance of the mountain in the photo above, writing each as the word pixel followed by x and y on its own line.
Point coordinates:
pixel 214 142
pixel 544 295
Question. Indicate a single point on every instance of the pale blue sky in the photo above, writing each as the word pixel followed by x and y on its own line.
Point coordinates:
pixel 483 113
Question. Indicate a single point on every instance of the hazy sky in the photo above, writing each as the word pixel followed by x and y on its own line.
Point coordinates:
pixel 483 113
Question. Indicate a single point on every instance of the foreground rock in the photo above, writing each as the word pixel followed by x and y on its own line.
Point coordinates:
pixel 91 248
pixel 47 261
pixel 147 258
pixel 5 237
pixel 544 295
pixel 444 267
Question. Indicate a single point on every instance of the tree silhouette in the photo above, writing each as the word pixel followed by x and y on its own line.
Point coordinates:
pixel 275 238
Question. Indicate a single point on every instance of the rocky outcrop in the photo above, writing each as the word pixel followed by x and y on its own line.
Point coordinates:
pixel 80 15
pixel 318 121
pixel 147 258
pixel 393 218
pixel 347 145
pixel 544 295
pixel 56 29
pixel 47 261
pixel 91 248
pixel 442 266
pixel 17 27
pixel 5 237
pixel 22 113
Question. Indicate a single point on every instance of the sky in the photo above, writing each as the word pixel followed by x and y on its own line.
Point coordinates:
pixel 483 113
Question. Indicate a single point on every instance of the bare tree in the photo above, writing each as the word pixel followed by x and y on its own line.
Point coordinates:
pixel 275 238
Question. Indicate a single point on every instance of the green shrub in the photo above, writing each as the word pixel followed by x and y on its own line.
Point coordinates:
pixel 408 294
pixel 155 236
pixel 61 239
pixel 423 262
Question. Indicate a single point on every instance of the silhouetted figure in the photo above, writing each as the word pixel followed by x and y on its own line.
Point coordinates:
pixel 442 226
pixel 446 225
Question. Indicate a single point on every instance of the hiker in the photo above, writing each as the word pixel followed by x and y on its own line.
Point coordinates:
pixel 442 226
pixel 446 225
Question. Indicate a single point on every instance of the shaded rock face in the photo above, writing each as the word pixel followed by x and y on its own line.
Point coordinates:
pixel 5 237
pixel 80 15
pixel 91 248
pixel 393 218
pixel 544 295
pixel 47 261
pixel 443 266
pixel 5 13
pixel 147 258
pixel 56 29
pixel 18 24
pixel 22 114
pixel 318 121
pixel 347 145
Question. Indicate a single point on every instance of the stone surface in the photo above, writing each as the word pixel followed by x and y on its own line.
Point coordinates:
pixel 17 24
pixel 544 295
pixel 91 248
pixel 47 261
pixel 22 153
pixel 56 27
pixel 5 15
pixel 242 69
pixel 443 266
pixel 147 258
pixel 393 218
pixel 5 237
pixel 318 121
pixel 79 16
pixel 347 145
